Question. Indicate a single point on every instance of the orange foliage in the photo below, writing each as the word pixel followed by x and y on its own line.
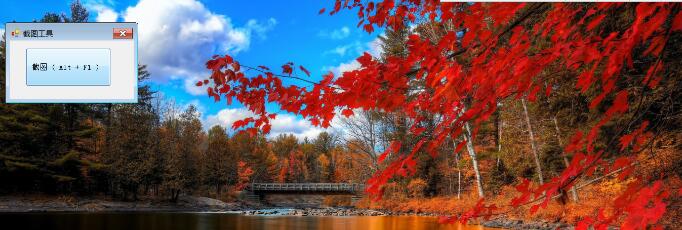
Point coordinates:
pixel 244 172
pixel 592 198
pixel 416 187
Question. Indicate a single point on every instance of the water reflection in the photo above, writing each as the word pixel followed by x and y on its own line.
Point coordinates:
pixel 201 221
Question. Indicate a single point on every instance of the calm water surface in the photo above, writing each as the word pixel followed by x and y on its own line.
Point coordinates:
pixel 200 221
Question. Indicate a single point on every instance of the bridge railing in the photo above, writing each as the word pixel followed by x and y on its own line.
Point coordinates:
pixel 307 187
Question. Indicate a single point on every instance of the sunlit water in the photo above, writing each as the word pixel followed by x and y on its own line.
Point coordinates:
pixel 200 221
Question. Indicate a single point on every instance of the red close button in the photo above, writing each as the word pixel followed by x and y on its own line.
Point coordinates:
pixel 123 33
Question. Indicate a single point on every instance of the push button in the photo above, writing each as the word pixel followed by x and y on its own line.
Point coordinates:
pixel 123 33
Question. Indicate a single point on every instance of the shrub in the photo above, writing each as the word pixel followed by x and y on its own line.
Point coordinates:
pixel 416 188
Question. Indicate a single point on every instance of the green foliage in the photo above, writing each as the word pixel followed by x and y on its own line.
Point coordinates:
pixel 52 17
pixel 78 12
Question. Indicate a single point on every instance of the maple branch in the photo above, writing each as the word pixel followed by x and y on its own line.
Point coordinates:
pixel 506 30
pixel 578 187
pixel 284 76
pixel 523 17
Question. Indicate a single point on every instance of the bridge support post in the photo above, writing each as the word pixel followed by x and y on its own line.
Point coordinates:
pixel 249 195
pixel 354 199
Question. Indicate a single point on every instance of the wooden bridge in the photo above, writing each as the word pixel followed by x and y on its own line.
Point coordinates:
pixel 306 188
pixel 257 191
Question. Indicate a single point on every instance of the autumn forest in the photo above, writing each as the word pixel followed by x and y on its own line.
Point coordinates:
pixel 563 112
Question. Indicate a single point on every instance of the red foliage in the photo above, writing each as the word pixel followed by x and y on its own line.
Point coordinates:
pixel 304 70
pixel 244 173
pixel 498 69
pixel 480 210
pixel 644 206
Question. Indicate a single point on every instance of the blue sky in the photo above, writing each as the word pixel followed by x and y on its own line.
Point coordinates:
pixel 178 36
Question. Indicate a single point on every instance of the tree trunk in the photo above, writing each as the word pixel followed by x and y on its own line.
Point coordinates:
pixel 472 154
pixel 448 175
pixel 499 124
pixel 459 178
pixel 459 171
pixel 175 194
pixel 532 142
pixel 217 188
pixel 574 193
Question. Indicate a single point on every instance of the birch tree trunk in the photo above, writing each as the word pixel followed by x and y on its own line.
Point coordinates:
pixel 532 142
pixel 574 194
pixel 459 171
pixel 472 154
pixel 459 180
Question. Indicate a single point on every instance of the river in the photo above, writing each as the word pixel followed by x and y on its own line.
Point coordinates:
pixel 203 220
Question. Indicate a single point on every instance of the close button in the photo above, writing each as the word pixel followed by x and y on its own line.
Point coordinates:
pixel 123 33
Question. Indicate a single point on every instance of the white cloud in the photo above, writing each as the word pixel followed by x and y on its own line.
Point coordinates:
pixel 190 84
pixel 351 49
pixel 373 48
pixel 282 124
pixel 339 50
pixel 343 67
pixel 177 37
pixel 261 29
pixel 226 117
pixel 289 124
pixel 336 34
pixel 103 12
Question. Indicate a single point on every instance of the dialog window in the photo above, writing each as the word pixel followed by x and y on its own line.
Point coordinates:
pixel 71 62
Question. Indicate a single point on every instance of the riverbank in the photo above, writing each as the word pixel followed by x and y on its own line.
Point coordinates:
pixel 38 203
pixel 332 211
pixel 500 222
